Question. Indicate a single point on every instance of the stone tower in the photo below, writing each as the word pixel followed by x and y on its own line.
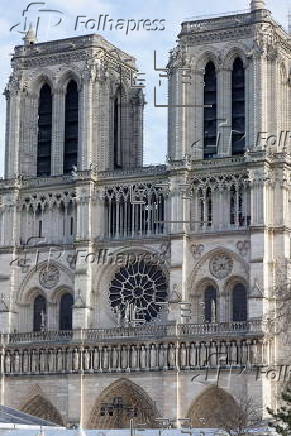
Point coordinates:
pixel 84 87
pixel 147 291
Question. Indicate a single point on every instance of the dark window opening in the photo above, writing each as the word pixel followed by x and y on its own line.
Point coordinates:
pixel 238 107
pixel 71 128
pixel 44 132
pixel 210 116
pixel 39 313
pixel 40 229
pixel 210 304
pixel 116 131
pixel 72 225
pixel 239 303
pixel 208 207
pixel 66 312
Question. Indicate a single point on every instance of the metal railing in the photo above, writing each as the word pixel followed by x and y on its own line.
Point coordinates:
pixel 177 331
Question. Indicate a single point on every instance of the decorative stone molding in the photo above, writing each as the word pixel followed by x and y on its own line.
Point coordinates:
pixel 220 266
pixel 125 357
pixel 201 273
pixel 49 276
pixel 243 247
pixel 31 279
pixel 197 250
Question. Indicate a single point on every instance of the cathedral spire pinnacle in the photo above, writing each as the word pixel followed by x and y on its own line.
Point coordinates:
pixel 30 36
pixel 257 5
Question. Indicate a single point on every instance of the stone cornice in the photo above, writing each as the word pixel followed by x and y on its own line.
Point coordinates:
pixel 220 35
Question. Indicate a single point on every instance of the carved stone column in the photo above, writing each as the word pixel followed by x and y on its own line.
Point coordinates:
pixel 153 357
pixel 85 122
pixel 58 131
pixel 224 110
pixel 25 361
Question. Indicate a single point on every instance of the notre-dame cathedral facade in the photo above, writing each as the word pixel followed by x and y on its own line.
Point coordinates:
pixel 163 290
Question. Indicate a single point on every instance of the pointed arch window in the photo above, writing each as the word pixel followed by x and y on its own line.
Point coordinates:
pixel 239 302
pixel 117 129
pixel 39 313
pixel 210 113
pixel 44 143
pixel 283 98
pixel 71 128
pixel 210 303
pixel 206 207
pixel 236 200
pixel 66 312
pixel 238 107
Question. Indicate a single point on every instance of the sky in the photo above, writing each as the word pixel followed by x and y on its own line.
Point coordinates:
pixel 140 44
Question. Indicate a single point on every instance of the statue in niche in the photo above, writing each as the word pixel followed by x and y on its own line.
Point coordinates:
pixel 183 355
pixel 124 362
pixel 105 358
pixel 75 360
pixel 134 354
pixel 153 356
pixel 172 356
pixel 86 360
pixel 68 360
pixel 59 360
pixel 25 361
pixel 16 362
pixel 34 363
pixel 7 362
pixel 192 355
pixel 165 355
pixel 143 357
pixel 96 358
pixel 114 358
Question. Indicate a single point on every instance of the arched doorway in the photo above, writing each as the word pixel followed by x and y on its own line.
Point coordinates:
pixel 42 408
pixel 119 402
pixel 213 407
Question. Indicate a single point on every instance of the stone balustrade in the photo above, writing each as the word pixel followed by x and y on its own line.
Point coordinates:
pixel 126 357
pixel 146 348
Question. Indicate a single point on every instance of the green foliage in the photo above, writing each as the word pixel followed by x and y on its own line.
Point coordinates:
pixel 282 417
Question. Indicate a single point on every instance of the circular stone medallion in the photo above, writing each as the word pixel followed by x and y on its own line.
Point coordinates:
pixel 220 266
pixel 49 276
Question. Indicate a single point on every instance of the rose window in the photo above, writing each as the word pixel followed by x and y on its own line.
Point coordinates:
pixel 137 291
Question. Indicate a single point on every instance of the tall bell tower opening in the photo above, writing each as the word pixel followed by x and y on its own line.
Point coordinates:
pixel 63 112
pixel 238 66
